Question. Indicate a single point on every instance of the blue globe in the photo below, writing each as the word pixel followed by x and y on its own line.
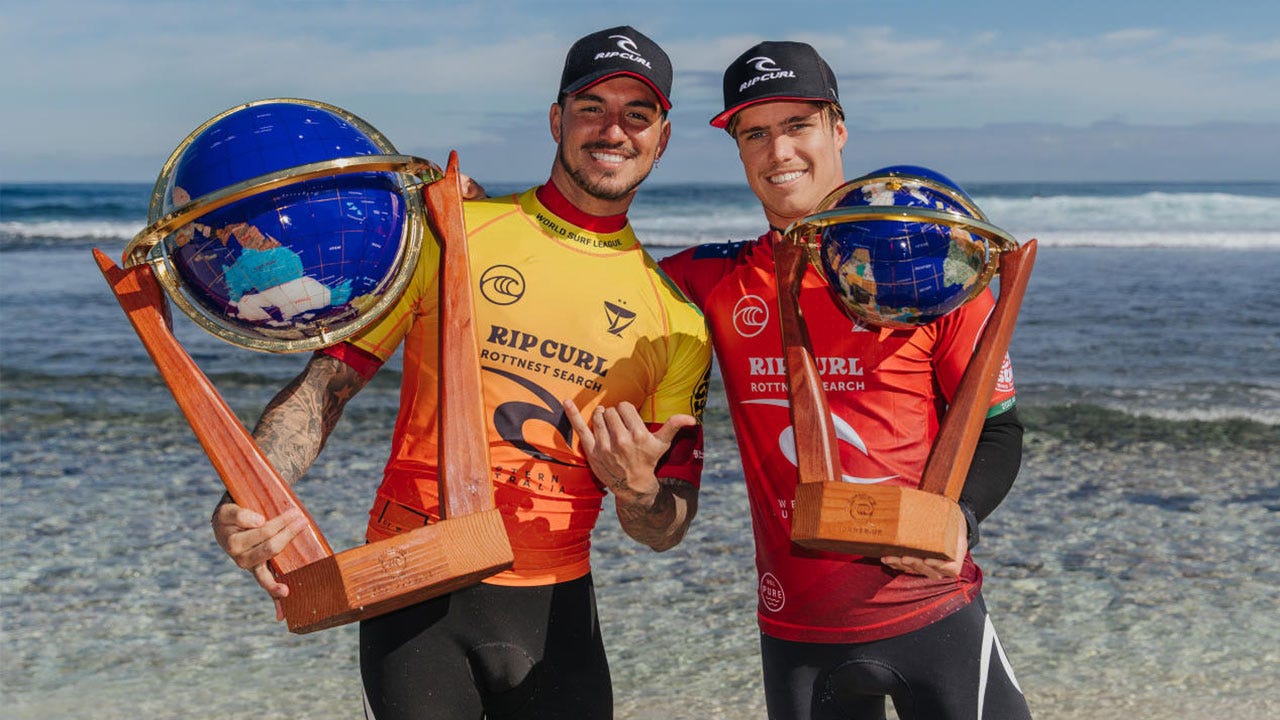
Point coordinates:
pixel 902 271
pixel 298 266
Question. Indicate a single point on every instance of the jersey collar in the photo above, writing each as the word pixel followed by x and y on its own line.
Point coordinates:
pixel 555 201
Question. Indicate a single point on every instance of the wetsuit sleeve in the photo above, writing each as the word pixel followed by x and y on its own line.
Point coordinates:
pixel 994 468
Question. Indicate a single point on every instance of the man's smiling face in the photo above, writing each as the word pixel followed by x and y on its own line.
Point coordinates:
pixel 790 152
pixel 609 136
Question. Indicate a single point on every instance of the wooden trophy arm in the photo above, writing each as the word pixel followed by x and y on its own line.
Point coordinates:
pixel 948 463
pixel 817 454
pixel 465 486
pixel 245 470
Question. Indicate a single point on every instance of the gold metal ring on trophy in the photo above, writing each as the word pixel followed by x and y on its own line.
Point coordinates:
pixel 379 141
pixel 894 179
pixel 806 231
pixel 147 246
pixel 137 250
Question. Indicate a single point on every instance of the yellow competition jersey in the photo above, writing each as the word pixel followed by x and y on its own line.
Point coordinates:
pixel 562 310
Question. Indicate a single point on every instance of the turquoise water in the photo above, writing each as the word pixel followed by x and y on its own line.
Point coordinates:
pixel 1131 572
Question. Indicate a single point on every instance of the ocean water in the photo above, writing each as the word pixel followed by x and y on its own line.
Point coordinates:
pixel 1131 572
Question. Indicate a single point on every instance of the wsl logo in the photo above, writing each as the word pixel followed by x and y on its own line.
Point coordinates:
pixel 628 49
pixel 768 70
pixel 502 285
pixel 750 315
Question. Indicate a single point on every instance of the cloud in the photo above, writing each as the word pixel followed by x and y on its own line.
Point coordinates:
pixel 891 78
pixel 1112 151
pixel 111 93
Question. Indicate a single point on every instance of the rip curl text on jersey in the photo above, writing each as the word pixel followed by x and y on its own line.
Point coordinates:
pixel 564 309
pixel 887 390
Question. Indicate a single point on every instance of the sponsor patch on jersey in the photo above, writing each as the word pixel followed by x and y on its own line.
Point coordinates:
pixel 618 317
pixel 1004 383
pixel 772 596
pixel 750 316
pixel 502 285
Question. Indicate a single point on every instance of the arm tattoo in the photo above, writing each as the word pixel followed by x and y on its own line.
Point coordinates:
pixel 297 422
pixel 662 525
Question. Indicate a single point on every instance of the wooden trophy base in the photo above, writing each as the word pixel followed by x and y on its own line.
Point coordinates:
pixel 370 580
pixel 875 520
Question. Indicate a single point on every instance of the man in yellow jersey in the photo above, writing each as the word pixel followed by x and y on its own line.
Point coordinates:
pixel 573 318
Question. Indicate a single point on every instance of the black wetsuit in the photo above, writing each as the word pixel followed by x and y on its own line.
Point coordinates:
pixel 479 652
pixel 952 669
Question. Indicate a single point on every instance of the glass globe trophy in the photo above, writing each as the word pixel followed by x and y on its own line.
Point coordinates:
pixel 898 248
pixel 286 225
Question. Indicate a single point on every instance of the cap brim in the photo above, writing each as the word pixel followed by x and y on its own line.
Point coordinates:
pixel 589 81
pixel 722 120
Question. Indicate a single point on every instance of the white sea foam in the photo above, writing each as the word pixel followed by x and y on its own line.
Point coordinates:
pixel 1213 415
pixel 1237 239
pixel 71 229
pixel 1161 218
pixel 1147 212
pixel 1151 219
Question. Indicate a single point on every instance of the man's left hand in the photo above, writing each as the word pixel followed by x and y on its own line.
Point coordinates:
pixel 933 568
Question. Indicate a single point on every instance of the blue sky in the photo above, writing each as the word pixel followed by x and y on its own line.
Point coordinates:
pixel 983 91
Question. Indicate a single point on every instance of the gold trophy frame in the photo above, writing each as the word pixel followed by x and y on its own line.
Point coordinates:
pixel 328 589
pixel 882 520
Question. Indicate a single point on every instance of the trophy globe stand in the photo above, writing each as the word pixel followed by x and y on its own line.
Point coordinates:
pixel 888 520
pixel 328 589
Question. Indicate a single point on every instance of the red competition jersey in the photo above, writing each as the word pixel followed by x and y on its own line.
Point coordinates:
pixel 887 390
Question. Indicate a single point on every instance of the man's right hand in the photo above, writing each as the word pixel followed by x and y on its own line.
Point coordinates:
pixel 251 540
pixel 471 190
pixel 290 436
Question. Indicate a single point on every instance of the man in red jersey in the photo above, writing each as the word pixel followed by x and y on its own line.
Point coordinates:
pixel 839 633
pixel 568 305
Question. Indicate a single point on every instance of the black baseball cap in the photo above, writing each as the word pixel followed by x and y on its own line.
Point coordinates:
pixel 777 70
pixel 617 51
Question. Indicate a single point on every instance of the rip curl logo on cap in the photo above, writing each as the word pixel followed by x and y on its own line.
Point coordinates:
pixel 626 43
pixel 628 48
pixel 750 315
pixel 764 64
pixel 768 69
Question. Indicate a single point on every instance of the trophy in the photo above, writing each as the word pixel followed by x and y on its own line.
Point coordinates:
pixel 287 225
pixel 899 248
